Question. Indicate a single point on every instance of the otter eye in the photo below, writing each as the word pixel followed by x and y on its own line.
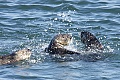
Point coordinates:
pixel 63 36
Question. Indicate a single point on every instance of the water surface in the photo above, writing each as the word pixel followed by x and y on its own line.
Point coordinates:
pixel 32 24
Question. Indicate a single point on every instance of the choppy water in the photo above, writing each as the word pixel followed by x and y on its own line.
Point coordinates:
pixel 32 24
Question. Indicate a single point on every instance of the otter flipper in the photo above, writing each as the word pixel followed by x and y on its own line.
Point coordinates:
pixel 90 40
pixel 60 51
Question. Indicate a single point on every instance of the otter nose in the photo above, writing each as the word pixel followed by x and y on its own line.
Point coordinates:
pixel 28 49
pixel 70 37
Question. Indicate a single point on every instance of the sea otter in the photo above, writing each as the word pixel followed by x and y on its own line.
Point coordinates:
pixel 15 57
pixel 58 42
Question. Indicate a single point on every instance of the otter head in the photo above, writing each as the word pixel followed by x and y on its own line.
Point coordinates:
pixel 90 40
pixel 22 54
pixel 60 40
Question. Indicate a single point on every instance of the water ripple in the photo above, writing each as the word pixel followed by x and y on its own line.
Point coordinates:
pixel 32 24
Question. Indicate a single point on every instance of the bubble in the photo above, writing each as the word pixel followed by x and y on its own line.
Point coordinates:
pixel 110 50
pixel 55 18
pixel 45 30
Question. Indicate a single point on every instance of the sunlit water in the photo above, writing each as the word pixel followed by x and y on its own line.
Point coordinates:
pixel 32 23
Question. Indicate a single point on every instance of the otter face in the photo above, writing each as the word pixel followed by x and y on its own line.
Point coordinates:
pixel 90 40
pixel 22 54
pixel 60 40
pixel 63 39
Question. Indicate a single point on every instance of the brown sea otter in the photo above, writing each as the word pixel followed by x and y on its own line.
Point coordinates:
pixel 58 42
pixel 16 56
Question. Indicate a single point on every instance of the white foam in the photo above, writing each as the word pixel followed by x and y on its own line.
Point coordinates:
pixel 110 49
pixel 71 46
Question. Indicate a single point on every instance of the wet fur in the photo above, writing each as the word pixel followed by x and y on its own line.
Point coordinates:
pixel 57 48
pixel 57 44
pixel 90 41
pixel 16 56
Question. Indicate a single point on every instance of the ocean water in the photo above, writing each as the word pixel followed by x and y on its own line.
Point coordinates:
pixel 32 24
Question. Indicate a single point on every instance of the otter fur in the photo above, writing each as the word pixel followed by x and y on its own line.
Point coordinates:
pixel 15 57
pixel 90 41
pixel 58 42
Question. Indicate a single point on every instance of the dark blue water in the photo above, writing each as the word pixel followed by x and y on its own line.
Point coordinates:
pixel 32 24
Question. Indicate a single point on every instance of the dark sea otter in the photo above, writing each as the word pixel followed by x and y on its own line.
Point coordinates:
pixel 15 57
pixel 58 42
